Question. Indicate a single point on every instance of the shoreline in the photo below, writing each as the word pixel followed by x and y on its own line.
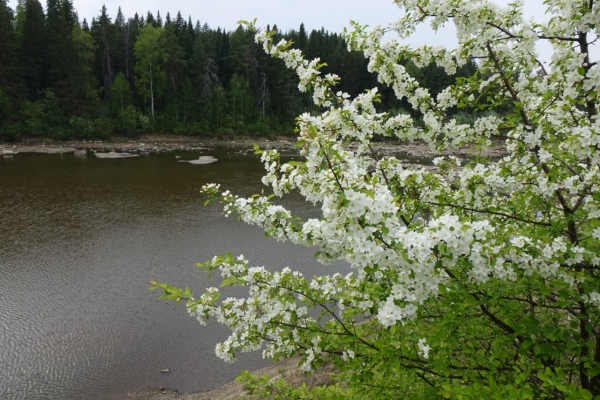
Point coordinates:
pixel 286 369
pixel 157 144
pixel 149 144
pixel 229 391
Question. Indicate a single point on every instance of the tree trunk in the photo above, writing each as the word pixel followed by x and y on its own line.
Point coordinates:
pixel 151 90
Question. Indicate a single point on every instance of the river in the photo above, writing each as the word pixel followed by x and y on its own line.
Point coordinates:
pixel 80 239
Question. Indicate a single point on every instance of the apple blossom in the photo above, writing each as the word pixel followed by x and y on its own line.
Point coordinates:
pixel 496 263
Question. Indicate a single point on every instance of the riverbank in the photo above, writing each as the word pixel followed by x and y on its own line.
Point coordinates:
pixel 150 144
pixel 144 145
pixel 285 369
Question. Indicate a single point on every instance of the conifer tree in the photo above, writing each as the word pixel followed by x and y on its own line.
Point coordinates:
pixel 60 22
pixel 19 19
pixel 119 19
pixel 104 34
pixel 150 20
pixel 8 66
pixel 179 23
pixel 33 45
pixel 302 38
pixel 128 38
pixel 9 77
pixel 117 49
pixel 159 23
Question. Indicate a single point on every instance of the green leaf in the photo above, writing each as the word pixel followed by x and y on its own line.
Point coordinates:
pixel 228 282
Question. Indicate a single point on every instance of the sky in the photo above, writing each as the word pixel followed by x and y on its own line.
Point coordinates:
pixel 333 15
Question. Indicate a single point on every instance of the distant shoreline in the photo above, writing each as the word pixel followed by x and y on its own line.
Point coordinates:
pixel 149 144
pixel 143 144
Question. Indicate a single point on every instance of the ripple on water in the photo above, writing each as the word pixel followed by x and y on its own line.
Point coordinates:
pixel 79 241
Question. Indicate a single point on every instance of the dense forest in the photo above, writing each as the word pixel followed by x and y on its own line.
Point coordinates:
pixel 69 79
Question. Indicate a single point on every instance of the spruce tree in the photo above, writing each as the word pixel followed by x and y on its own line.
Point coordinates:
pixel 104 34
pixel 150 20
pixel 302 38
pixel 33 49
pixel 8 66
pixel 118 50
pixel 9 79
pixel 60 22
pixel 179 23
pixel 19 19
pixel 128 39
pixel 159 23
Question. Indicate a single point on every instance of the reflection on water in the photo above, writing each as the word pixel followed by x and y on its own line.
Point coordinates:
pixel 79 240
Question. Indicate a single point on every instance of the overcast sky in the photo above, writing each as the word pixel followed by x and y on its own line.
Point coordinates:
pixel 333 15
pixel 287 14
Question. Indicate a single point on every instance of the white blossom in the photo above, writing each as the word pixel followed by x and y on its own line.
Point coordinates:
pixel 413 235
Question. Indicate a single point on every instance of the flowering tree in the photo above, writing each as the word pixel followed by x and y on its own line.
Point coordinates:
pixel 469 281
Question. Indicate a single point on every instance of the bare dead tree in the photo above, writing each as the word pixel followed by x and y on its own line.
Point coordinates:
pixel 263 96
pixel 211 80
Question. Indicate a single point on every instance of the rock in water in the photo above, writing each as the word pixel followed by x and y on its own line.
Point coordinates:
pixel 201 160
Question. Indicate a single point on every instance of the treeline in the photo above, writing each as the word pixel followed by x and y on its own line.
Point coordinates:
pixel 63 78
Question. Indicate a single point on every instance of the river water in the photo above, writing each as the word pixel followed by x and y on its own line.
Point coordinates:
pixel 80 238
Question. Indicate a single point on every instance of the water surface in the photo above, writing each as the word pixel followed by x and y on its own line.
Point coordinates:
pixel 80 238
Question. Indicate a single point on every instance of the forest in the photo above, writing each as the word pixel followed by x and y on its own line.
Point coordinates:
pixel 64 78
